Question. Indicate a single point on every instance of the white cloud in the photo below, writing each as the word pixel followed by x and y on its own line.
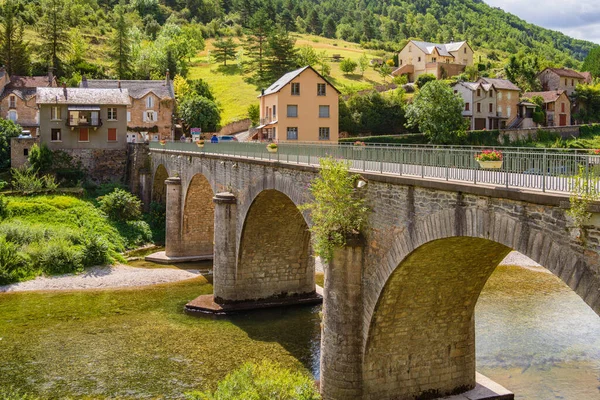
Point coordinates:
pixel 577 18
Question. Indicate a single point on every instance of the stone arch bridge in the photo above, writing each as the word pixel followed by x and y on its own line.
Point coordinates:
pixel 398 304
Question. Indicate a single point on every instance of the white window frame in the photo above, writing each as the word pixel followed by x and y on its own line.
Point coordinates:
pixel 295 85
pixel 59 135
pixel 292 129
pixel 150 116
pixel 288 110
pixel 111 114
pixel 322 92
pixel 150 102
pixel 324 107
pixel 12 101
pixel 55 113
pixel 323 130
pixel 13 112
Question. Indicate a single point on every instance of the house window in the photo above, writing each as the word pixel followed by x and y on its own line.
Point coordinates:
pixel 478 107
pixel 112 134
pixel 572 82
pixel 400 62
pixel 433 59
pixel 55 113
pixel 150 116
pixel 455 91
pixel 508 112
pixel 274 111
pixel 26 152
pixel 292 133
pixel 12 101
pixel 566 81
pixel 478 92
pixel 295 89
pixel 562 107
pixel 419 59
pixel 499 109
pixel 12 115
pixel 499 95
pixel 150 102
pixel 321 89
pixel 491 108
pixel 509 95
pixel 323 133
pixel 55 135
pixel 112 113
pixel 323 111
pixel 467 106
pixel 84 135
pixel 465 50
pixel 491 93
pixel 128 116
pixel 292 111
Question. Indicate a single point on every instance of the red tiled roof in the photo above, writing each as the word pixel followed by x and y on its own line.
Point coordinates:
pixel 588 77
pixel 549 96
pixel 567 73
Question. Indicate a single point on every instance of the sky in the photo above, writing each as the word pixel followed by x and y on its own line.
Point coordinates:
pixel 576 18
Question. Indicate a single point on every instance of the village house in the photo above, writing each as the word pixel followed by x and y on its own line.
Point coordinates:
pixel 77 118
pixel 442 60
pixel 489 103
pixel 553 79
pixel 151 110
pixel 301 106
pixel 17 98
pixel 557 106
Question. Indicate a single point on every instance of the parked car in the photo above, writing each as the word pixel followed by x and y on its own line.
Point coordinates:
pixel 227 139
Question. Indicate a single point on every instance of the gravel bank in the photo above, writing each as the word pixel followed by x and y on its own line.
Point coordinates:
pixel 104 278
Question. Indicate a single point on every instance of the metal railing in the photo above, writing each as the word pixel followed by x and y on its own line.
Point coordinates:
pixel 534 169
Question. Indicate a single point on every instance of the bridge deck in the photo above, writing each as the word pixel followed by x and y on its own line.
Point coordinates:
pixel 533 169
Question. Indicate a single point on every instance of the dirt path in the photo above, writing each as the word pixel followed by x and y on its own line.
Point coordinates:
pixel 104 278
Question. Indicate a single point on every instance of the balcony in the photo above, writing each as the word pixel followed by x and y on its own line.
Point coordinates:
pixel 84 116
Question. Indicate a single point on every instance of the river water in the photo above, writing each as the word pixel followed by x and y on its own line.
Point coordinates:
pixel 534 336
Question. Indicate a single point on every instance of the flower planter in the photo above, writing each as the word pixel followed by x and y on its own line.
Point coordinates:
pixel 200 145
pixel 270 150
pixel 359 147
pixel 490 164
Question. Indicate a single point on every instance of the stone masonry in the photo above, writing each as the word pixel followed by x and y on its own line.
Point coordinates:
pixel 398 309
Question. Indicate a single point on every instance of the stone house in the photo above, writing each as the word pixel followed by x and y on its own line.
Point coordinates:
pixel 151 110
pixel 17 98
pixel 442 60
pixel 557 106
pixel 489 103
pixel 560 79
pixel 302 106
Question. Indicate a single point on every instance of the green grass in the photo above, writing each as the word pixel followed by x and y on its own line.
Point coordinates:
pixel 138 343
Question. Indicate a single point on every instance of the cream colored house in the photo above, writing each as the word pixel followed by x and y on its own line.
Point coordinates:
pixel 489 103
pixel 301 106
pixel 441 60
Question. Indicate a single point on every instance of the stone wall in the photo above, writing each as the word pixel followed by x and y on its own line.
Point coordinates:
pixel 138 175
pixel 524 134
pixel 101 165
pixel 236 127
pixel 27 111
pixel 19 151
pixel 198 218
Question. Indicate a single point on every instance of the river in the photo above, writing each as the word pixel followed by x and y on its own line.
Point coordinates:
pixel 534 336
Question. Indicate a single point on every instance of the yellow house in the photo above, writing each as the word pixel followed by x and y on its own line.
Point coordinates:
pixel 301 106
pixel 441 60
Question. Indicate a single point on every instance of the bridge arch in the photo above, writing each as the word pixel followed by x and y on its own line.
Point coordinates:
pixel 198 219
pixel 274 257
pixel 159 189
pixel 419 336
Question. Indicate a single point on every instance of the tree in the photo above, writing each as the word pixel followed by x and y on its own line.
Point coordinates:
pixel 14 51
pixel 348 66
pixel 437 112
pixel 329 27
pixel 53 31
pixel 363 64
pixel 592 62
pixel 200 112
pixel 200 87
pixel 40 158
pixel 307 56
pixel 423 79
pixel 522 71
pixel 322 61
pixel 224 50
pixel 384 71
pixel 121 46
pixel 281 55
pixel 257 43
pixel 8 130
pixel 254 113
pixel 313 23
pixel 588 99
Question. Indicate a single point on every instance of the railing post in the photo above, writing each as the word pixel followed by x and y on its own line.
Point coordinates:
pixel 545 166
pixel 447 164
pixel 422 163
pixel 401 160
pixel 381 161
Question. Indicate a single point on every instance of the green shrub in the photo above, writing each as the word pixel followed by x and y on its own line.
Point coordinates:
pixel 3 184
pixel 589 131
pixel 423 79
pixel 121 206
pixel 40 158
pixel 57 256
pixel 481 138
pixel 156 218
pixel 26 181
pixel 135 233
pixel 96 251
pixel 409 138
pixel 10 393
pixel 266 381
pixel 23 234
pixel 3 207
pixel 13 263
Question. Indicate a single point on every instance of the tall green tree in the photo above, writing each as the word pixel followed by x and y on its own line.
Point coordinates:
pixel 54 34
pixel 224 50
pixel 200 112
pixel 14 51
pixel 8 130
pixel 592 62
pixel 281 54
pixel 437 112
pixel 121 46
pixel 329 27
pixel 313 23
pixel 257 43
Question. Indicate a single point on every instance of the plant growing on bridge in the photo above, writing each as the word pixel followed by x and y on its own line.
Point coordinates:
pixel 338 210
pixel 583 192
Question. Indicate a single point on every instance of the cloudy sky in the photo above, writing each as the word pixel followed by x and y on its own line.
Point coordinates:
pixel 577 18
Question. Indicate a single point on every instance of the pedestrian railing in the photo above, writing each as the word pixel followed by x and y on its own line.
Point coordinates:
pixel 528 168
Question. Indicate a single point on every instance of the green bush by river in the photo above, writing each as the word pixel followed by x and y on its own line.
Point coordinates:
pixel 56 234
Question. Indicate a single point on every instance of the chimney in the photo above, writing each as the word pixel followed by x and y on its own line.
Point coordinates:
pixel 50 77
pixel 84 82
pixel 64 85
pixel 262 92
pixel 167 78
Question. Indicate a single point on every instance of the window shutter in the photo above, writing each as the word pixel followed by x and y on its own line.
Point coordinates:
pixel 155 116
pixel 128 116
pixel 144 116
